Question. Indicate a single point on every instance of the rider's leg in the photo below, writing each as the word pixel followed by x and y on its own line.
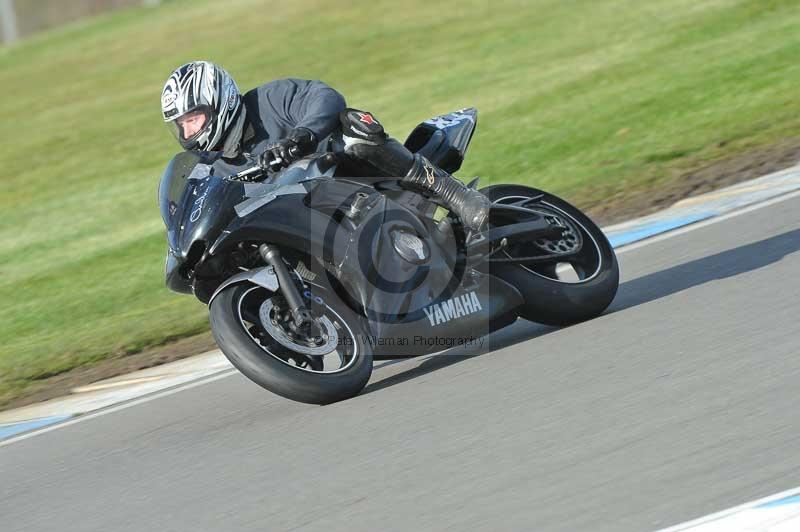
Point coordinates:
pixel 365 139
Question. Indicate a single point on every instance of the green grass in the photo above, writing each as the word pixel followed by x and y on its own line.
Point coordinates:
pixel 582 97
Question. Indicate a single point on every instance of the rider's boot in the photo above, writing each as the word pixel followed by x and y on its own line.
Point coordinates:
pixel 365 140
pixel 467 203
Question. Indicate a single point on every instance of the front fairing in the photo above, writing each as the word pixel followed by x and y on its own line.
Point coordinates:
pixel 196 203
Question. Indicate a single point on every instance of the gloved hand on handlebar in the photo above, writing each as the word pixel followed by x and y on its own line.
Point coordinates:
pixel 280 154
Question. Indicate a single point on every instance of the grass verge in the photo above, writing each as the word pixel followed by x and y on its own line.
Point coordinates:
pixel 591 100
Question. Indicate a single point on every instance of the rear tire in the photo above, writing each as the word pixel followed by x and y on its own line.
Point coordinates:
pixel 551 301
pixel 271 369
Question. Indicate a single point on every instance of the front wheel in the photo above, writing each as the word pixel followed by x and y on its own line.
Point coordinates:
pixel 326 363
pixel 580 280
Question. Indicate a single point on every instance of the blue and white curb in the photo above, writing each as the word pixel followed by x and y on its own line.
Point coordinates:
pixel 654 227
pixel 706 206
pixel 776 513
pixel 128 388
pixel 108 393
pixel 12 429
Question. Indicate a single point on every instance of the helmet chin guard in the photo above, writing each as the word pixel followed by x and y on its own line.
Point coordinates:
pixel 200 88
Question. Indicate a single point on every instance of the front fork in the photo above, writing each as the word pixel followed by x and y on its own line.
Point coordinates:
pixel 301 315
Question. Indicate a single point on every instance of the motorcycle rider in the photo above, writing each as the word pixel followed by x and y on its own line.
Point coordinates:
pixel 286 119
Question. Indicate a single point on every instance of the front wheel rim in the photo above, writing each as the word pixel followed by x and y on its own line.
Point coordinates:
pixel 342 358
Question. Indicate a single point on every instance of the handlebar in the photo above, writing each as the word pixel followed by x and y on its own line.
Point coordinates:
pixel 253 170
pixel 273 165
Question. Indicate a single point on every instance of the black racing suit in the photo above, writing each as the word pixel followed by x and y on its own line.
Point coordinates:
pixel 281 108
pixel 278 107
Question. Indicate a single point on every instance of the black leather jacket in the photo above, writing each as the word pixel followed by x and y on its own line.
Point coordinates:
pixel 274 109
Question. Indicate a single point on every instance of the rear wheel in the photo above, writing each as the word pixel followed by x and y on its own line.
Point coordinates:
pixel 581 277
pixel 328 362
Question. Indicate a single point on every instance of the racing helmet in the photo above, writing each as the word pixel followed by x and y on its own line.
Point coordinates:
pixel 200 102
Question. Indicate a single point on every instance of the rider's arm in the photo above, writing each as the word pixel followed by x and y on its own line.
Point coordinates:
pixel 308 104
pixel 320 108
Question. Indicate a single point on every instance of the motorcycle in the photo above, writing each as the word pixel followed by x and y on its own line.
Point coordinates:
pixel 311 274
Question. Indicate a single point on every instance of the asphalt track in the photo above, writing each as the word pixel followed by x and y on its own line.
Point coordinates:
pixel 680 401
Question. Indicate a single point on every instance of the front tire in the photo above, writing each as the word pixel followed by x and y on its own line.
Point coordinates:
pixel 548 299
pixel 238 331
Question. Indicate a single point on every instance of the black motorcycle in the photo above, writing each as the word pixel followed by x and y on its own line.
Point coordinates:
pixel 310 274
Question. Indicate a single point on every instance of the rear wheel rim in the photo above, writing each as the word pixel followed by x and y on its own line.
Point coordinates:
pixel 586 265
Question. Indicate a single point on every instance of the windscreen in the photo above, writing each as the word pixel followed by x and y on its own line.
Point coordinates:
pixel 173 186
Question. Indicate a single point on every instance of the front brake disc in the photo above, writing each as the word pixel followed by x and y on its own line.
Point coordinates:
pixel 272 325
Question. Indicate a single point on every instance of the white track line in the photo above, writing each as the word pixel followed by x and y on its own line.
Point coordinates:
pixel 122 406
pixel 730 511
pixel 227 373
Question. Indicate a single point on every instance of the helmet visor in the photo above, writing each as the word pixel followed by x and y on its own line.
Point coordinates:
pixel 188 127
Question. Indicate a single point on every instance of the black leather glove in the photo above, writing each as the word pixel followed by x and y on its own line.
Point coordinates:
pixel 279 154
